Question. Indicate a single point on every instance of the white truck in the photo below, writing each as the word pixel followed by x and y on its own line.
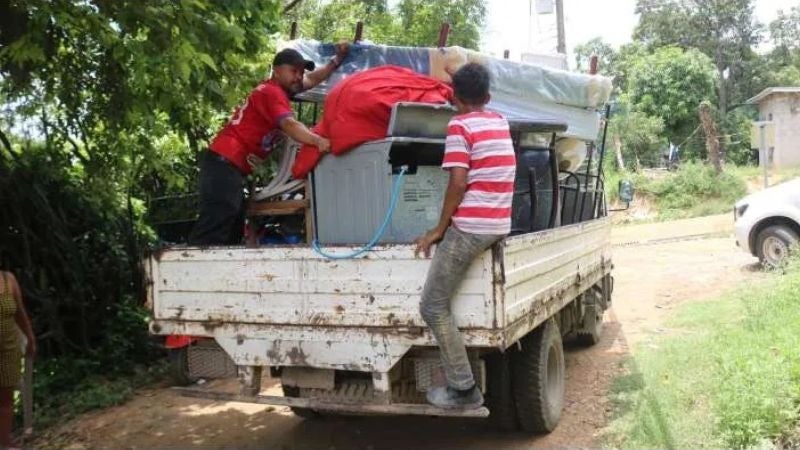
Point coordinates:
pixel 346 335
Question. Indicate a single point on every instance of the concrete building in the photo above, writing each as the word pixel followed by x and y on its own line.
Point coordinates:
pixel 781 105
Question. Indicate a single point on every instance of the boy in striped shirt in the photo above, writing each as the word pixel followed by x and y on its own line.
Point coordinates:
pixel 476 213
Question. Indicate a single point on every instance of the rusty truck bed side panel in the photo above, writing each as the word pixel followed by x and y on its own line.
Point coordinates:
pixel 545 271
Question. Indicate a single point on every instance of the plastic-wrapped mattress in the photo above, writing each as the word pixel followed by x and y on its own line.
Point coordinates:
pixel 519 90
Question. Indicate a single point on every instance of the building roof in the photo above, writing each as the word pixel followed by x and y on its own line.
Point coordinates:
pixel 773 90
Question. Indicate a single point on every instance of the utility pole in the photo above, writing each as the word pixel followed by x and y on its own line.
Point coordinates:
pixel 562 40
pixel 762 137
pixel 764 156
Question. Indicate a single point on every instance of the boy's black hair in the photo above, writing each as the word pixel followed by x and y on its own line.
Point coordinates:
pixel 471 84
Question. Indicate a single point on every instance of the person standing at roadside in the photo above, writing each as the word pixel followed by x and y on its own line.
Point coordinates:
pixel 12 316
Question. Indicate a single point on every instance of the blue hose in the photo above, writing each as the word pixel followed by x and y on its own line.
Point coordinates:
pixel 398 183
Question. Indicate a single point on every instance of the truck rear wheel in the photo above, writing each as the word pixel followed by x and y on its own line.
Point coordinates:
pixel 499 395
pixel 538 372
pixel 591 330
pixel 305 413
pixel 179 366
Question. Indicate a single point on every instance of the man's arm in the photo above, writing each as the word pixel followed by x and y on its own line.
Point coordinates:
pixel 453 196
pixel 456 188
pixel 300 133
pixel 318 76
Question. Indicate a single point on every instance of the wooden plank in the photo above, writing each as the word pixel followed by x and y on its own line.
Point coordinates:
pixel 366 408
pixel 281 208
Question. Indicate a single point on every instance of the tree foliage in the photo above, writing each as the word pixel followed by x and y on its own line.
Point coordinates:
pixel 117 83
pixel 724 30
pixel 638 136
pixel 410 23
pixel 105 104
pixel 606 56
pixel 782 64
pixel 612 63
pixel 334 20
pixel 670 84
pixel 736 139
pixel 727 34
pixel 420 21
pixel 785 34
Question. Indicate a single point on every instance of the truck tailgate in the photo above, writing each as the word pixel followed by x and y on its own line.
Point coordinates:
pixel 295 286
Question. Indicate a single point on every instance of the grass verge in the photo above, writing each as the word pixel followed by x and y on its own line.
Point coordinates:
pixel 727 376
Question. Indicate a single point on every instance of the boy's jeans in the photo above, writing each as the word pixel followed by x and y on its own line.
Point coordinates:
pixel 453 257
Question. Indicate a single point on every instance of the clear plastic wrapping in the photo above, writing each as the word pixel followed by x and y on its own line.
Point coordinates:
pixel 519 90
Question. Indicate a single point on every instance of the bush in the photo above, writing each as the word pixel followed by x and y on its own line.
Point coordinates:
pixel 73 245
pixel 736 128
pixel 694 190
pixel 66 387
pixel 639 136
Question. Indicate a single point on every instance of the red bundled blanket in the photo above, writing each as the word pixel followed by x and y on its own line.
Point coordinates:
pixel 358 109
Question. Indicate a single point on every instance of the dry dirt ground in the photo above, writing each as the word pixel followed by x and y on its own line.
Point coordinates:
pixel 651 279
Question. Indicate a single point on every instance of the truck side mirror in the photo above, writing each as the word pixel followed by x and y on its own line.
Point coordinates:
pixel 625 191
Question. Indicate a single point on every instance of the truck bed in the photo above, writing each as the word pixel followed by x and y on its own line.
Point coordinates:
pixel 288 306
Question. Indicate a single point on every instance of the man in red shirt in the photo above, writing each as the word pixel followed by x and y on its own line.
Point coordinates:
pixel 252 130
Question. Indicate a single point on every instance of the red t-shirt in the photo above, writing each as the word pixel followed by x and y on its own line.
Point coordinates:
pixel 254 126
pixel 481 143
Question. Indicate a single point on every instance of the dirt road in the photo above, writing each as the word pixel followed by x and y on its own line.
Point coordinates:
pixel 651 279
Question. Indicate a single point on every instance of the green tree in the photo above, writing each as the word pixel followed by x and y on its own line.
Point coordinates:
pixel 785 35
pixel 636 137
pixel 606 55
pixel 612 63
pixel 411 23
pixel 670 84
pixel 106 103
pixel 116 83
pixel 331 21
pixel 736 140
pixel 782 64
pixel 421 20
pixel 627 58
pixel 725 30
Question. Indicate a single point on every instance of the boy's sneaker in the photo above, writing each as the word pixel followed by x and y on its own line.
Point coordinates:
pixel 449 398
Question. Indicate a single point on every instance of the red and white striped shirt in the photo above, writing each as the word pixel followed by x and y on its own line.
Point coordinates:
pixel 481 143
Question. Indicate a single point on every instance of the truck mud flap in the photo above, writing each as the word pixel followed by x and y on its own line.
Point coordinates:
pixel 367 409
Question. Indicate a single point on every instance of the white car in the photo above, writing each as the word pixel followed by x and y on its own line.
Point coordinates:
pixel 768 222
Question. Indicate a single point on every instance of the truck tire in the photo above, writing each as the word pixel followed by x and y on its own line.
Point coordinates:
pixel 538 374
pixel 499 395
pixel 305 413
pixel 591 330
pixel 179 367
pixel 774 243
